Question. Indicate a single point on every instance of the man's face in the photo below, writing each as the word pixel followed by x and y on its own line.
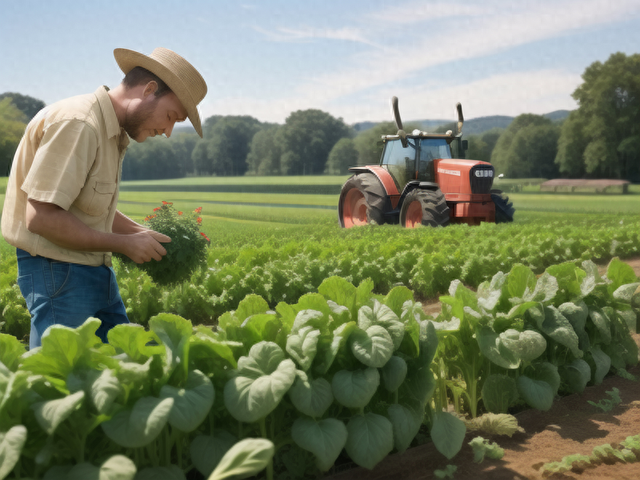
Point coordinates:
pixel 153 116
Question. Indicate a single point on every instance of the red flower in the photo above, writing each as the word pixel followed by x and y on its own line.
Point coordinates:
pixel 157 208
pixel 167 203
pixel 199 220
pixel 179 213
pixel 198 210
pixel 206 238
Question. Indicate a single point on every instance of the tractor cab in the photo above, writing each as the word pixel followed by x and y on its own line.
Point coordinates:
pixel 416 160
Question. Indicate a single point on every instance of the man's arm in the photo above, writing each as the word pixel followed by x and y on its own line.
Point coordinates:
pixel 123 224
pixel 64 229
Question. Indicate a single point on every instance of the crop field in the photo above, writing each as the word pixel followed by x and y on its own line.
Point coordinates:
pixel 327 327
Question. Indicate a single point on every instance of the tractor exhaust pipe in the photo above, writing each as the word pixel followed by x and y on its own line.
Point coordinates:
pixel 396 114
pixel 460 117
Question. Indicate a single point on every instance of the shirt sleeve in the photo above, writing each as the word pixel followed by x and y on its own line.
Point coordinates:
pixel 62 162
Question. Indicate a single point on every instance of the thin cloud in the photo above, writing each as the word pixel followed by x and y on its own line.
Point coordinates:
pixel 284 34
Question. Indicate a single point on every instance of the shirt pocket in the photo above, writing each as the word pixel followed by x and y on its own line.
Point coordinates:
pixel 95 199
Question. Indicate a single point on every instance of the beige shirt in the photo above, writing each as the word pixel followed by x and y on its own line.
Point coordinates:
pixel 70 155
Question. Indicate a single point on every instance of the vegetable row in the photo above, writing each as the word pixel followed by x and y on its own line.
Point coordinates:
pixel 341 375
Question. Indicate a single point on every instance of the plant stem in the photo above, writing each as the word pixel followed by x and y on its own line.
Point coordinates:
pixel 263 432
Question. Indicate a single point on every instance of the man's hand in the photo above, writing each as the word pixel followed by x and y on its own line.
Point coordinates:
pixel 143 246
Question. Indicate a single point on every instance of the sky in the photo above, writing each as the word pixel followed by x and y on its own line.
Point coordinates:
pixel 270 58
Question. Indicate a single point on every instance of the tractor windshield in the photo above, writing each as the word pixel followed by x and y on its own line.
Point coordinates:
pixel 430 149
pixel 400 161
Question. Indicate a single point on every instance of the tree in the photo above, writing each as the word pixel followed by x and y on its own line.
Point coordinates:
pixel 152 159
pixel 26 104
pixel 224 150
pixel 306 139
pixel 342 156
pixel 602 137
pixel 12 125
pixel 265 152
pixel 527 148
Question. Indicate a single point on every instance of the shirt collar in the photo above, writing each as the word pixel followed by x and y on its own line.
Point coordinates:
pixel 108 112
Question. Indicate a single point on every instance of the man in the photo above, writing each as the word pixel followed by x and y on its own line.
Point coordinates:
pixel 60 206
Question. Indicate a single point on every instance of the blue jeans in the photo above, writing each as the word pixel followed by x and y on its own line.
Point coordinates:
pixel 62 293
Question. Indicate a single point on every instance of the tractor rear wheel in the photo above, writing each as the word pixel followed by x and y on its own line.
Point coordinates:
pixel 504 208
pixel 363 200
pixel 424 207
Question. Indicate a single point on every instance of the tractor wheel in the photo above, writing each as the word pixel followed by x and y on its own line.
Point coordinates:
pixel 504 208
pixel 363 200
pixel 424 207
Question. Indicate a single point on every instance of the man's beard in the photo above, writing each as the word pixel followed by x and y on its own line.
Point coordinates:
pixel 133 122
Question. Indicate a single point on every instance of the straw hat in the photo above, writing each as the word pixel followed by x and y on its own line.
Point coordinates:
pixel 181 77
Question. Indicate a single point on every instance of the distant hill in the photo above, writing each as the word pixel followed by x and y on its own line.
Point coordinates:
pixel 474 126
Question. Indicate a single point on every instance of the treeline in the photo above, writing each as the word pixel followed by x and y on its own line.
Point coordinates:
pixel 601 139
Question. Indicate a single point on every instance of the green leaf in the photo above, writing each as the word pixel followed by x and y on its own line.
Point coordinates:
pixel 494 424
pixel 174 332
pixel 550 321
pixel 117 467
pixel 172 472
pixel 10 351
pixel 569 279
pixel 499 392
pixel 406 421
pixel 207 451
pixel 419 384
pixel 326 356
pixel 340 291
pixel 303 345
pixel 394 373
pixel 325 439
pixel 428 344
pixel 447 433
pixel 311 397
pixel 133 339
pixel 519 280
pixel 245 459
pixel 482 447
pixel 11 444
pixel 251 305
pixel 192 403
pixel 538 385
pixel 140 425
pixel 373 346
pixel 527 345
pixel 577 314
pixel 625 293
pixel 370 439
pixel 354 389
pixel 490 293
pixel 396 298
pixel 602 363
pixel 384 317
pixel 495 350
pixel 575 375
pixel 104 391
pixel 620 273
pixel 260 382
pixel 52 413
pixel 309 318
pixel 602 323
pixel 411 317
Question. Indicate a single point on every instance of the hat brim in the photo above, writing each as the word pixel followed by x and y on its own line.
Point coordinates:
pixel 129 59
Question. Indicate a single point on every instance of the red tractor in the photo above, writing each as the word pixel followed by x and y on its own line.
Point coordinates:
pixel 418 182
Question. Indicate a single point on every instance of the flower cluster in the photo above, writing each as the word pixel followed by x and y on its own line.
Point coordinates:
pixel 187 250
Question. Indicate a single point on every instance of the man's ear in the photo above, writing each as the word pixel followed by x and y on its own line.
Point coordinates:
pixel 150 88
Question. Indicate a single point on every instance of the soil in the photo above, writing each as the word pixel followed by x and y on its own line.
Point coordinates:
pixel 571 426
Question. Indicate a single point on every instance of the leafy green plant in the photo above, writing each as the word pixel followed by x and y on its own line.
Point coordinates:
pixel 607 404
pixel 484 448
pixel 187 250
pixel 447 472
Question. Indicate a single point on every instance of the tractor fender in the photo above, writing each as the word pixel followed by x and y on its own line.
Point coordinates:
pixel 412 185
pixel 386 180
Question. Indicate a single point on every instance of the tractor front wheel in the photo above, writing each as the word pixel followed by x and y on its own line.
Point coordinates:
pixel 363 200
pixel 424 207
pixel 504 208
